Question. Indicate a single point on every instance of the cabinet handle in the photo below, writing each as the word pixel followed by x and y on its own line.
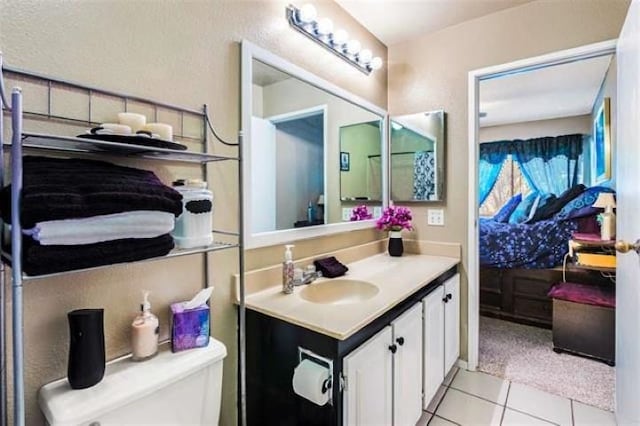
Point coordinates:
pixel 393 348
pixel 400 340
pixel 445 299
pixel 449 296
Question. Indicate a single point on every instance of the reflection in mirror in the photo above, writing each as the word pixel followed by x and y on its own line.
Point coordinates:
pixel 301 139
pixel 417 156
pixel 360 162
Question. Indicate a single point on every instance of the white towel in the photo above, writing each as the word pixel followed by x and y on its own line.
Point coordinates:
pixel 96 229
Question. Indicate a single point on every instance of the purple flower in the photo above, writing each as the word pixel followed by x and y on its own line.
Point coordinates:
pixel 395 219
pixel 360 213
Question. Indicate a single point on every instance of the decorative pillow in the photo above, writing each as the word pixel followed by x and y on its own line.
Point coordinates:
pixel 543 205
pixel 555 206
pixel 505 212
pixel 582 205
pixel 521 213
pixel 532 210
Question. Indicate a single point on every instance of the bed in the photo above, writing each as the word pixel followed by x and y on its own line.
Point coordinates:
pixel 520 262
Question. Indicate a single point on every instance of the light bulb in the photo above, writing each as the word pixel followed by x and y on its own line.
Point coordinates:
pixel 353 47
pixel 307 13
pixel 340 37
pixel 365 55
pixel 376 63
pixel 325 26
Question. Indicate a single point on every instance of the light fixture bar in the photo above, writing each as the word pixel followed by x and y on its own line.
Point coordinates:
pixel 321 31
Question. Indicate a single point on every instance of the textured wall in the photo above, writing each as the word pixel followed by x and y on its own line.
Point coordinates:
pixel 431 72
pixel 180 52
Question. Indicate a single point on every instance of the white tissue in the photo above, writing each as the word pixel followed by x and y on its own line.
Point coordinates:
pixel 199 299
pixel 308 378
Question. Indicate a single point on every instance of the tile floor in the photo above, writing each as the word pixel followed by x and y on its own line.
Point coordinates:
pixel 478 399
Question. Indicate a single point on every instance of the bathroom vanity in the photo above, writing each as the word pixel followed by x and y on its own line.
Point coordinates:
pixel 390 329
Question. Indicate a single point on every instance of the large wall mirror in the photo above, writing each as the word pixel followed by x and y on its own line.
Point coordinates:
pixel 418 157
pixel 312 152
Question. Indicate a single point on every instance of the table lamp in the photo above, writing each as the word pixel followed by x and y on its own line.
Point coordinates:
pixel 607 202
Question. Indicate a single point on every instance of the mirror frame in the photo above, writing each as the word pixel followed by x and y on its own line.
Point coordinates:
pixel 441 167
pixel 249 52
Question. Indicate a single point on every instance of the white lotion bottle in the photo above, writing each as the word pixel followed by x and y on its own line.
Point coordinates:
pixel 145 330
pixel 287 270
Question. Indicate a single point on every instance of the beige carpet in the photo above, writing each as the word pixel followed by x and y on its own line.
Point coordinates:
pixel 524 355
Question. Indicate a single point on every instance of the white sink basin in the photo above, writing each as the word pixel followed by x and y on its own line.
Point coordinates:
pixel 339 292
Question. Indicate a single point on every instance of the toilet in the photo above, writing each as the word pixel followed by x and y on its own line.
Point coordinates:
pixel 184 388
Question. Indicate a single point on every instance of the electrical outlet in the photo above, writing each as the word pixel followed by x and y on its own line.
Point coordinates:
pixel 435 217
pixel 346 214
pixel 377 212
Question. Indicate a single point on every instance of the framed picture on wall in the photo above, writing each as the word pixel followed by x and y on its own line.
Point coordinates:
pixel 344 161
pixel 601 144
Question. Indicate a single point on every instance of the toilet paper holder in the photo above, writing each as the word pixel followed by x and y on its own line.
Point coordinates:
pixel 327 386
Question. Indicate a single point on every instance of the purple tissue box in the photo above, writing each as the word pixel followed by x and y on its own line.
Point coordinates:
pixel 189 327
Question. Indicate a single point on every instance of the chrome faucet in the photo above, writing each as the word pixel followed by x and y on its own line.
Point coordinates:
pixel 308 276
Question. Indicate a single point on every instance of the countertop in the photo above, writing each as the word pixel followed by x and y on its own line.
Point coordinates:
pixel 396 277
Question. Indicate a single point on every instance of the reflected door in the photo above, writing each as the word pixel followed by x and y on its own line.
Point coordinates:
pixel 263 175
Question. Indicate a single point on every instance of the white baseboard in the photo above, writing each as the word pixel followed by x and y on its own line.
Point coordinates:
pixel 462 364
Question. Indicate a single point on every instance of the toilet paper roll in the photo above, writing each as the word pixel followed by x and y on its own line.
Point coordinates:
pixel 308 378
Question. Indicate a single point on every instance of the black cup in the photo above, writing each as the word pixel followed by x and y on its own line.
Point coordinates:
pixel 86 348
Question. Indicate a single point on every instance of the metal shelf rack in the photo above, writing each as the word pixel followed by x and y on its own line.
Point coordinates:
pixel 59 144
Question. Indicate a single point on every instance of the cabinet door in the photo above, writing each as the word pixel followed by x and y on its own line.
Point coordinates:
pixel 433 342
pixel 368 372
pixel 407 367
pixel 451 322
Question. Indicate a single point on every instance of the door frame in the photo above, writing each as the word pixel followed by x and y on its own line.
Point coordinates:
pixel 475 77
pixel 308 112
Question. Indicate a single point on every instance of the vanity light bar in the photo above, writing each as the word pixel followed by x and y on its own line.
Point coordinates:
pixel 305 20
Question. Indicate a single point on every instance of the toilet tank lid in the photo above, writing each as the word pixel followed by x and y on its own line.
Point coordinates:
pixel 124 381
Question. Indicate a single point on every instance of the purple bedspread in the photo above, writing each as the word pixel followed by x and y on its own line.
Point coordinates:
pixel 538 245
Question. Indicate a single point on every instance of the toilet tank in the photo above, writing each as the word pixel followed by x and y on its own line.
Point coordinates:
pixel 170 389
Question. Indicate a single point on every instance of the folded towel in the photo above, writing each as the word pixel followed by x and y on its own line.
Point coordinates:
pixel 96 229
pixel 57 189
pixel 330 267
pixel 40 260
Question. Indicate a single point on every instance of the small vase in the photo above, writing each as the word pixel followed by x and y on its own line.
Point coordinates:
pixel 395 243
pixel 86 348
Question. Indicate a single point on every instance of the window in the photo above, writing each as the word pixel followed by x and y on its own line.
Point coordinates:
pixel 510 182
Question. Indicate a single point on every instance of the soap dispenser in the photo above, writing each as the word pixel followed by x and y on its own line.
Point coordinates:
pixel 145 330
pixel 287 270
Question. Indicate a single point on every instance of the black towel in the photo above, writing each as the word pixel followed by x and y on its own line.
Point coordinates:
pixel 40 260
pixel 330 267
pixel 56 189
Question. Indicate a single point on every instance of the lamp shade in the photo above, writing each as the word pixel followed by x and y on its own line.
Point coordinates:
pixel 605 199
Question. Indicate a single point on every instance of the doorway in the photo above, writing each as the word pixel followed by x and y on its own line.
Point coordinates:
pixel 510 299
pixel 289 178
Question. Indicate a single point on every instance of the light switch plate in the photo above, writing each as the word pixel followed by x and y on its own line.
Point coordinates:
pixel 377 212
pixel 346 214
pixel 435 217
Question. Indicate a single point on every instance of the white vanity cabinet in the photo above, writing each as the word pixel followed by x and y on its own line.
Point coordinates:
pixel 368 373
pixel 451 322
pixel 441 335
pixel 383 376
pixel 407 367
